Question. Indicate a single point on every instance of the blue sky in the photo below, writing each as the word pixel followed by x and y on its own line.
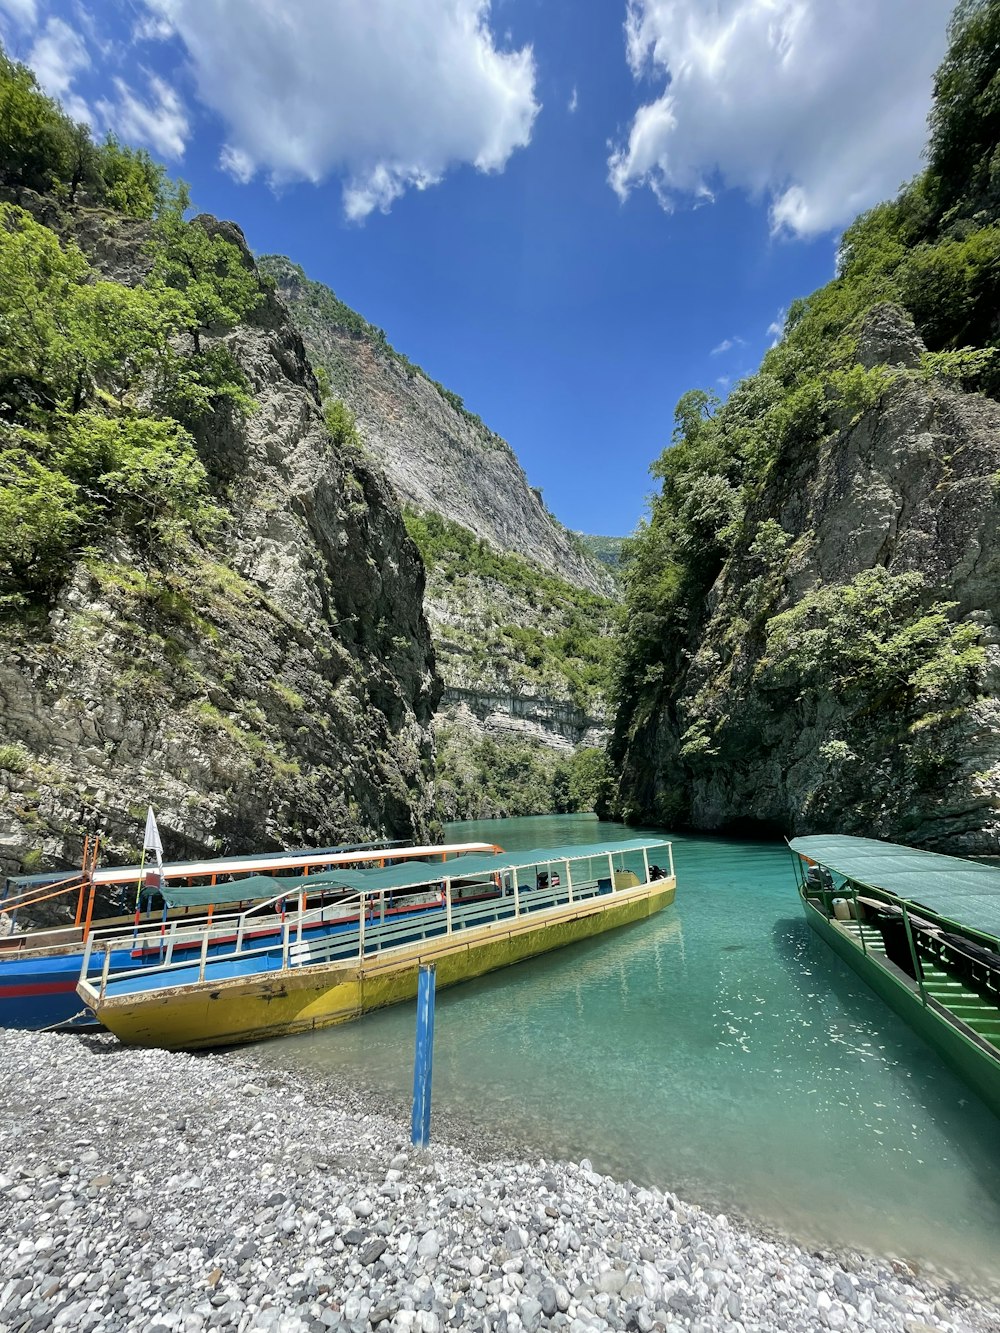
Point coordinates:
pixel 567 211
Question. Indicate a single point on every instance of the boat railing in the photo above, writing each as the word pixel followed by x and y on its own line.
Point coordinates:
pixel 348 929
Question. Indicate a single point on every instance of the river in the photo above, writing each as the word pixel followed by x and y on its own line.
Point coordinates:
pixel 720 1050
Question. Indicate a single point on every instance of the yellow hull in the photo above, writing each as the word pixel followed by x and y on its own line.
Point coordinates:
pixel 243 1009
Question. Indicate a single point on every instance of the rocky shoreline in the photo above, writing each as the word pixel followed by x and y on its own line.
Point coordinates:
pixel 149 1191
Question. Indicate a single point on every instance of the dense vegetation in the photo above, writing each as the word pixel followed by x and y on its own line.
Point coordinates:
pixel 499 776
pixel 560 644
pixel 607 549
pixel 883 643
pixel 101 384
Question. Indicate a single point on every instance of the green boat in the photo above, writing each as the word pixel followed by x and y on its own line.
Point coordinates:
pixel 923 930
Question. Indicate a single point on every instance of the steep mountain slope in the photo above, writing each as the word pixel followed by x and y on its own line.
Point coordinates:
pixel 520 610
pixel 813 628
pixel 439 456
pixel 204 603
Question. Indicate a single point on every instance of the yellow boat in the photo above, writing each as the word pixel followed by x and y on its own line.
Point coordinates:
pixel 326 965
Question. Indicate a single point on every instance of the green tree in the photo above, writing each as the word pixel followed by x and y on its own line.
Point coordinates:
pixel 217 281
pixel 40 519
pixel 341 423
pixel 132 183
pixel 964 149
pixel 37 147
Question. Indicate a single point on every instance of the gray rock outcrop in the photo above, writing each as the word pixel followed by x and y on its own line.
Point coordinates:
pixel 441 459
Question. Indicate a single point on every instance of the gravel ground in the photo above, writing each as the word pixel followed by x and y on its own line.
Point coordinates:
pixel 148 1191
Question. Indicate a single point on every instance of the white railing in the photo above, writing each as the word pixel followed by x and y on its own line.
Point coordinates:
pixel 347 929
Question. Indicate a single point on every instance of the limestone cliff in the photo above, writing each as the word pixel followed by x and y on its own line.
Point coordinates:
pixel 438 455
pixel 274 686
pixel 844 670
pixel 520 611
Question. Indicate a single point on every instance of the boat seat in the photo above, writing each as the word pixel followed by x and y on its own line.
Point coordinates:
pixel 975 953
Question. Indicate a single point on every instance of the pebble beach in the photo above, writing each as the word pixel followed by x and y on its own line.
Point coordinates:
pixel 142 1190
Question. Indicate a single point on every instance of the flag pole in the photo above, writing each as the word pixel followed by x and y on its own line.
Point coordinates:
pixel 138 896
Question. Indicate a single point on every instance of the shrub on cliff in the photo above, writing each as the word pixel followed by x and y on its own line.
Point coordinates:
pixel 97 392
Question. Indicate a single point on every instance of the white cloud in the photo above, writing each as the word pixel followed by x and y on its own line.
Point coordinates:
pixel 573 102
pixel 776 328
pixel 161 122
pixel 23 12
pixel 238 164
pixel 152 28
pixel 818 106
pixel 56 56
pixel 727 345
pixel 386 93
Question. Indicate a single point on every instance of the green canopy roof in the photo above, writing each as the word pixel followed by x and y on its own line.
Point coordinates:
pixel 404 875
pixel 965 892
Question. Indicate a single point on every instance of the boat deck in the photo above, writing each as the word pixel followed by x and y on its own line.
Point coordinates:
pixel 344 941
pixel 974 1007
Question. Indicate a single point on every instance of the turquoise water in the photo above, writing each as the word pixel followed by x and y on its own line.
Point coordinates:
pixel 720 1050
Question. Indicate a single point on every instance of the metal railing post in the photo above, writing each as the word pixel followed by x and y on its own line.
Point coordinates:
pixel 286 939
pixel 361 927
pixel 857 917
pixel 447 904
pixel 918 975
pixel 90 909
pixel 204 956
pixel 645 862
pixel 611 871
pixel 104 971
pixel 88 948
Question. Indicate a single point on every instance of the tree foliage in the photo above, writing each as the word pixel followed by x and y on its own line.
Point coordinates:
pixel 97 387
pixel 42 149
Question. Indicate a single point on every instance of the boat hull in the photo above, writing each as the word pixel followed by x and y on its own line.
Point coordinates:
pixel 974 1065
pixel 246 1009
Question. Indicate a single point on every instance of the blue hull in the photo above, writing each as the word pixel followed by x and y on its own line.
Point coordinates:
pixel 40 992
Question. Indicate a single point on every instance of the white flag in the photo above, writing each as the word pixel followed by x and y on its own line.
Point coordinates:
pixel 151 839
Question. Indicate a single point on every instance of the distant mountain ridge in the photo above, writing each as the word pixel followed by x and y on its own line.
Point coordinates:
pixel 439 456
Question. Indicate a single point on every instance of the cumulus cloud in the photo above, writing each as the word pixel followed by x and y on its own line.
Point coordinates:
pixel 160 121
pixel 819 106
pixel 386 93
pixel 573 102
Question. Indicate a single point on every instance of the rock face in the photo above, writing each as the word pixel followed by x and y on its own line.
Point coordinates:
pixel 905 497
pixel 439 456
pixel 441 459
pixel 275 689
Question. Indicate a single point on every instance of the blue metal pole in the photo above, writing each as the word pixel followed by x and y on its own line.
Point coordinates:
pixel 420 1128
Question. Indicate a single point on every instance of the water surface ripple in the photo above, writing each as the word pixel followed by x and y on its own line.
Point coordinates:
pixel 720 1050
